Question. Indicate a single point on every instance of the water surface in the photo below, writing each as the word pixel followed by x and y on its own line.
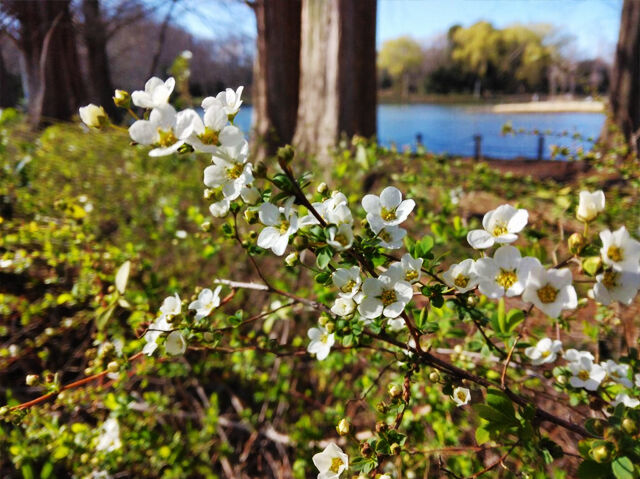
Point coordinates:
pixel 450 129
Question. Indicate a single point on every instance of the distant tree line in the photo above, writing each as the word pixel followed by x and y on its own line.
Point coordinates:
pixel 484 60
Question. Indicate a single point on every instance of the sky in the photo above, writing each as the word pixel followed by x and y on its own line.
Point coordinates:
pixel 593 23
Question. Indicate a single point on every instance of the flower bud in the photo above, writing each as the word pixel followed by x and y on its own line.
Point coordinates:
pixel 629 426
pixel 93 116
pixel 590 205
pixel 206 226
pixel 395 390
pixel 260 170
pixel 322 188
pixel 32 379
pixel 576 243
pixel 600 454
pixel 251 216
pixel 299 243
pixel 113 367
pixel 434 377
pixel 330 326
pixel 343 427
pixel 381 427
pixel 4 410
pixel 291 259
pixel 365 449
pixel 472 301
pixel 285 154
pixel 562 379
pixel 381 407
pixel 395 449
pixel 122 99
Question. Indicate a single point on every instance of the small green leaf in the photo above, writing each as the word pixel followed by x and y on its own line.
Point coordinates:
pixel 622 468
pixel 482 436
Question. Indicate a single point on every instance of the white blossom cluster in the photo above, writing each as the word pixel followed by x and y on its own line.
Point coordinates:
pixel 584 371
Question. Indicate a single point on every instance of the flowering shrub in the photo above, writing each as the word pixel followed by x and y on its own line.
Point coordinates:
pixel 469 354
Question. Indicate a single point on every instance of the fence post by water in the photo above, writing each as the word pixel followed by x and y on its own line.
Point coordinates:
pixel 540 147
pixel 477 147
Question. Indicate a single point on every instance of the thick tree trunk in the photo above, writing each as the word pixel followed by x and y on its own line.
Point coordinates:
pixel 95 38
pixel 276 74
pixel 337 74
pixel 47 43
pixel 625 79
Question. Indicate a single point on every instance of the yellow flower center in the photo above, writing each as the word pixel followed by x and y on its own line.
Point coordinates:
pixel 506 278
pixel 411 275
pixel 615 254
pixel 324 338
pixel 388 297
pixel 462 396
pixel 342 239
pixel 284 227
pixel 500 229
pixel 348 286
pixel 166 138
pixel 610 279
pixel 209 137
pixel 583 374
pixel 547 294
pixel 545 354
pixel 234 172
pixel 461 281
pixel 388 215
pixel 336 463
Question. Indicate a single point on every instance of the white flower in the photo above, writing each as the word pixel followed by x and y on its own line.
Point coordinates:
pixel 462 276
pixel 461 396
pixel 388 209
pixel 500 226
pixel 620 250
pixel 205 134
pixel 586 374
pixel 625 399
pixel 408 268
pixel 331 462
pixel 340 237
pixel 391 237
pixel 590 205
pixel 186 54
pixel 93 116
pixel 171 306
pixel 504 274
pixel 636 378
pixel 250 195
pixel 175 343
pixel 122 276
pixel 281 223
pixel 229 100
pixel 109 439
pixel 575 355
pixel 165 128
pixel 321 342
pixel 207 301
pixel 545 351
pixel 154 331
pixel 613 286
pixel 230 176
pixel 156 93
pixel 343 306
pixel 384 295
pixel 334 210
pixel 348 281
pixel 550 290
pixel 618 373
pixel 220 208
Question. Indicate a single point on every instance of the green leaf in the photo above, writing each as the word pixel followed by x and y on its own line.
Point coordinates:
pixel 323 259
pixel 502 316
pixel 622 468
pixel 499 401
pixel 482 435
pixel 494 416
pixel 423 247
pixel 46 471
pixel 514 317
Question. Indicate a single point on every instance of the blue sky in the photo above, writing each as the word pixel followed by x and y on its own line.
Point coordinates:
pixel 593 23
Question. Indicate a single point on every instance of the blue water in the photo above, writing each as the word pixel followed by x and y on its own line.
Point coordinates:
pixel 450 129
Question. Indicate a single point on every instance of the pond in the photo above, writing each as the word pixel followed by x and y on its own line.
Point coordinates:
pixel 450 129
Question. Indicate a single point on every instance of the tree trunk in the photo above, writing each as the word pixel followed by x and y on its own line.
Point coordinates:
pixel 47 43
pixel 625 79
pixel 276 74
pixel 95 38
pixel 337 74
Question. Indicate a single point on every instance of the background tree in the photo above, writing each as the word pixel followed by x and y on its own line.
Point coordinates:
pixel 337 73
pixel 625 78
pixel 402 58
pixel 276 74
pixel 45 36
